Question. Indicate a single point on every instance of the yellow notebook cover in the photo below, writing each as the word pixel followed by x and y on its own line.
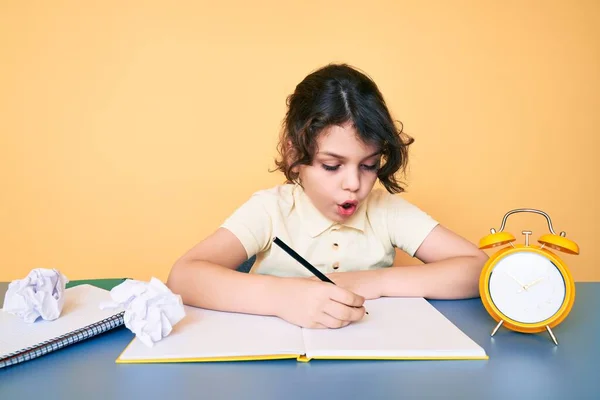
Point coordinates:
pixel 395 329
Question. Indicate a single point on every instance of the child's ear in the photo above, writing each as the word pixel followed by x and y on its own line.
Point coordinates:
pixel 291 155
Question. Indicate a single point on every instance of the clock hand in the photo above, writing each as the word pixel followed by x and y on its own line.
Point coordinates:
pixel 518 281
pixel 527 286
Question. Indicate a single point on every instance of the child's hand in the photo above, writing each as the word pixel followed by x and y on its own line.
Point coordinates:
pixel 364 283
pixel 316 304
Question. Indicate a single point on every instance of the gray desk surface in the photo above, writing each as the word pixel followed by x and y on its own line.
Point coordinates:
pixel 520 366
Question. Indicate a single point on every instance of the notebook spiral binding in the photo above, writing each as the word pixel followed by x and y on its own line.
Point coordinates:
pixel 62 341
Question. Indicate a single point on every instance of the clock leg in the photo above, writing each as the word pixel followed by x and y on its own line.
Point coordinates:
pixel 497 327
pixel 552 335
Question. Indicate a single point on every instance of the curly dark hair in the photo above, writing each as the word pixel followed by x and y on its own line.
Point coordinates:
pixel 334 95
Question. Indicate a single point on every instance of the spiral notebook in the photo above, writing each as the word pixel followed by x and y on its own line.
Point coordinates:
pixel 81 318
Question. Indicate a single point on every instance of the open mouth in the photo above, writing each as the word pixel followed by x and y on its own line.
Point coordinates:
pixel 347 208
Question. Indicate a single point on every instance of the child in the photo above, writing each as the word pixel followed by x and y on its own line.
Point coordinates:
pixel 338 139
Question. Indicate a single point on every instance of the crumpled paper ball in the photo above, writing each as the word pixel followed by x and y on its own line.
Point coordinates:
pixel 40 294
pixel 151 309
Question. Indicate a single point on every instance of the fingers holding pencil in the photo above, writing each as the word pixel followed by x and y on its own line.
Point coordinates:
pixel 307 265
pixel 346 306
pixel 314 304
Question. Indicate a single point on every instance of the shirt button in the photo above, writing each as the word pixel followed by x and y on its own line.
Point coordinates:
pixel 336 246
pixel 336 265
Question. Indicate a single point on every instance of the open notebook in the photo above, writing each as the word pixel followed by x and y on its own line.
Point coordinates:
pixel 80 319
pixel 396 328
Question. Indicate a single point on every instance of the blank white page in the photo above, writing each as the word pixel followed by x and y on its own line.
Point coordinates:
pixel 81 308
pixel 409 328
pixel 208 334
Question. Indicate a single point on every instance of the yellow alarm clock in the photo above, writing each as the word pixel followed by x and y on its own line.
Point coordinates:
pixel 527 288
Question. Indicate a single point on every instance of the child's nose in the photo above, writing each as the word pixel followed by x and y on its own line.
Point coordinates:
pixel 351 181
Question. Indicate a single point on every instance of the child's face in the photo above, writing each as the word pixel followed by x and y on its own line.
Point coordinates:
pixel 342 174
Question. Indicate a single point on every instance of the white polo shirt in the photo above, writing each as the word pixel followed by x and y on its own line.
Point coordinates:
pixel 366 241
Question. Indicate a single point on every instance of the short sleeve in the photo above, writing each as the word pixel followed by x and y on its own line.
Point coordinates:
pixel 252 224
pixel 408 225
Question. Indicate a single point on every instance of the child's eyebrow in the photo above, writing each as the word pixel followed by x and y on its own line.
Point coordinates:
pixel 328 153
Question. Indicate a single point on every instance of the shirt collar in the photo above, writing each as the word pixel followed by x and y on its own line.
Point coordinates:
pixel 316 223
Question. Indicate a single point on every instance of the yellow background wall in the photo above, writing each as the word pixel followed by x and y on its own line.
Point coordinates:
pixel 129 131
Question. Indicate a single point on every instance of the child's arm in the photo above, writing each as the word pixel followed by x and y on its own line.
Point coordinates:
pixel 451 271
pixel 205 277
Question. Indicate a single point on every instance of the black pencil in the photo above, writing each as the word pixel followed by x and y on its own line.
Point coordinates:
pixel 302 261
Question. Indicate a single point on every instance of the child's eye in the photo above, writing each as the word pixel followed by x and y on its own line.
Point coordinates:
pixel 330 167
pixel 370 167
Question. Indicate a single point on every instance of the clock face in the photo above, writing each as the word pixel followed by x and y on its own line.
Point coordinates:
pixel 527 287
